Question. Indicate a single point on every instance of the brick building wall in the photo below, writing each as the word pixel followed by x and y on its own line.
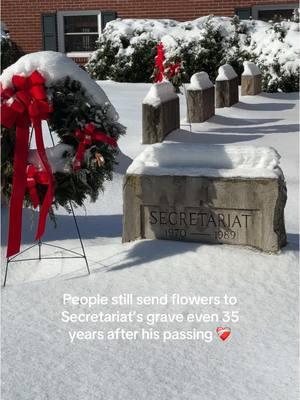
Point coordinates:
pixel 23 17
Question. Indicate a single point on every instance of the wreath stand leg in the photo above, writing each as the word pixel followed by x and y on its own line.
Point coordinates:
pixel 40 257
pixel 40 243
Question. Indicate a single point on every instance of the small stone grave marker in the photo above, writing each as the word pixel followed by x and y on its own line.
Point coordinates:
pixel 227 87
pixel 206 193
pixel 251 79
pixel 160 112
pixel 200 98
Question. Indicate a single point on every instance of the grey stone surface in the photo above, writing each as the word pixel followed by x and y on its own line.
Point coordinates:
pixel 250 85
pixel 239 211
pixel 227 92
pixel 159 121
pixel 200 104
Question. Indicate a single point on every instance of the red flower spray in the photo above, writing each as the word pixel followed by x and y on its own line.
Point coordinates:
pixel 164 70
pixel 159 63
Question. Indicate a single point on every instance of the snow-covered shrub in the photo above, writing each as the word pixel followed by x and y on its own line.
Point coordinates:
pixel 102 61
pixel 127 48
pixel 275 78
pixel 277 56
pixel 136 65
pixel 126 51
pixel 9 51
pixel 295 17
pixel 205 52
pixel 237 51
pixel 279 29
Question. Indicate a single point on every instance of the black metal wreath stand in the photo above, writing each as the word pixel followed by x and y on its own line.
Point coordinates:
pixel 39 243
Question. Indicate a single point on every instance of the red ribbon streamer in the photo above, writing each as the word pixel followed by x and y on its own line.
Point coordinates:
pixel 160 72
pixel 86 137
pixel 159 63
pixel 22 105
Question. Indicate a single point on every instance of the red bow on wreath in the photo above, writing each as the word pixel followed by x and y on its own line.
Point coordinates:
pixel 86 137
pixel 25 104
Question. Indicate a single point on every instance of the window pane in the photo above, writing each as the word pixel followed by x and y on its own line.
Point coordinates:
pixel 267 15
pixel 80 42
pixel 243 13
pixel 81 23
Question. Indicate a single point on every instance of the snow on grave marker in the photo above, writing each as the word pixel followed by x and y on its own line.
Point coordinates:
pixel 160 112
pixel 251 79
pixel 227 87
pixel 206 193
pixel 200 98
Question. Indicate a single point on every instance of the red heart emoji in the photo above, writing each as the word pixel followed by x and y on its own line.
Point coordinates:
pixel 223 332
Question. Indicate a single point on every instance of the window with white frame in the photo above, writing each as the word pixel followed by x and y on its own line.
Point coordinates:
pixel 78 31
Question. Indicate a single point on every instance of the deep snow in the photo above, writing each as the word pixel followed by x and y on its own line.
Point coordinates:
pixel 258 361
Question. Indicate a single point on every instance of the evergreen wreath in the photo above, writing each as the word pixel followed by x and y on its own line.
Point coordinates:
pixel 47 86
pixel 72 111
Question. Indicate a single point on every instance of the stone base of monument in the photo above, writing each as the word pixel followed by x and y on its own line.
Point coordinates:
pixel 216 194
pixel 200 98
pixel 161 114
pixel 227 87
pixel 250 80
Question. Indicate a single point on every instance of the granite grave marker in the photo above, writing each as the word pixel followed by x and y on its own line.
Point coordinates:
pixel 251 79
pixel 218 194
pixel 200 98
pixel 160 112
pixel 227 87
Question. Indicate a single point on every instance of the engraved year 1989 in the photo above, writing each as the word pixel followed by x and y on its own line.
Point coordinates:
pixel 225 235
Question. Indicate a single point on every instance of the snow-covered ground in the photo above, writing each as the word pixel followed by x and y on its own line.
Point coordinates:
pixel 257 362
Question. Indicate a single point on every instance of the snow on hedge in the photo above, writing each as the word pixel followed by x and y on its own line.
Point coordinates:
pixel 206 42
